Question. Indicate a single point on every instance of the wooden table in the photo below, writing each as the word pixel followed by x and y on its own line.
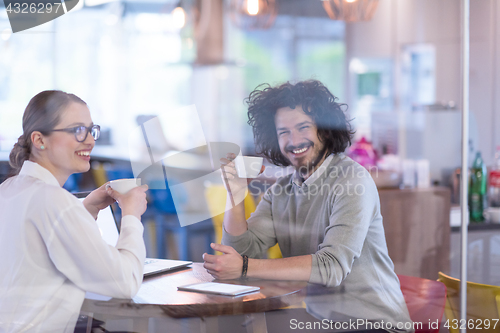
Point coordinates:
pixel 159 297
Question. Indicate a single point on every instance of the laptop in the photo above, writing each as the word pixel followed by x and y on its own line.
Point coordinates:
pixel 109 231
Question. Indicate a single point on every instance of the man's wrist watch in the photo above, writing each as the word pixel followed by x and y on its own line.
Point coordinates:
pixel 244 269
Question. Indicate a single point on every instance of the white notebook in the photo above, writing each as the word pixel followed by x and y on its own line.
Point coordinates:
pixel 219 288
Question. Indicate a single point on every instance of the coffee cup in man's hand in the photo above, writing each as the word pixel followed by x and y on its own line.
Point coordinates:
pixel 248 166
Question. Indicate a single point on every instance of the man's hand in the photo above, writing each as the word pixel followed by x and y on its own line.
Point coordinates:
pixel 226 266
pixel 233 184
pixel 97 200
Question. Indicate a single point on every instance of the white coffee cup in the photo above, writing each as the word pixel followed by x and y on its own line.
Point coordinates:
pixel 492 214
pixel 248 166
pixel 124 185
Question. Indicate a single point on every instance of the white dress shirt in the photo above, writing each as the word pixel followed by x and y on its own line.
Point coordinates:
pixel 52 252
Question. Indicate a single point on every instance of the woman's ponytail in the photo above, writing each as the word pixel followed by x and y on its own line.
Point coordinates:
pixel 20 153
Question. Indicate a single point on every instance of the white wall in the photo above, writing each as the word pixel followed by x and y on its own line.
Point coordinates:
pixel 438 22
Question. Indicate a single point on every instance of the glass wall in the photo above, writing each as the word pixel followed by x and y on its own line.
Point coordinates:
pixel 399 75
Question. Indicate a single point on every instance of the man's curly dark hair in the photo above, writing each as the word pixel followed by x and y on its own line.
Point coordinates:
pixel 334 130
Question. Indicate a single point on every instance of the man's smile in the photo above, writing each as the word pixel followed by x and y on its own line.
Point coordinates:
pixel 298 151
pixel 301 150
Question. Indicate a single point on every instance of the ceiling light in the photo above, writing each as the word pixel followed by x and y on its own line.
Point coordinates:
pixel 350 10
pixel 253 14
pixel 252 7
pixel 179 17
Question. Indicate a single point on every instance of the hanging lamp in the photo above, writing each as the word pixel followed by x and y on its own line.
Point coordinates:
pixel 253 14
pixel 350 10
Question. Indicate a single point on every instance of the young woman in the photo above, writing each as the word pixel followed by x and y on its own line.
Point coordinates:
pixel 52 250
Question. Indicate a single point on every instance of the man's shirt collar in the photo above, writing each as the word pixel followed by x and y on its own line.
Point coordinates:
pixel 297 179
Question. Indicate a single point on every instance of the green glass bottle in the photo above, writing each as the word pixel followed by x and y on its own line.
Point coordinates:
pixel 477 189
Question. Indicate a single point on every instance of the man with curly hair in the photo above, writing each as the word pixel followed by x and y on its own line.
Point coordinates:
pixel 325 216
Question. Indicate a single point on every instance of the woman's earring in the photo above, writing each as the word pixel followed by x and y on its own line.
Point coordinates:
pixel 42 147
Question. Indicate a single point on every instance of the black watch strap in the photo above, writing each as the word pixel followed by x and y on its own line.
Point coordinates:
pixel 244 269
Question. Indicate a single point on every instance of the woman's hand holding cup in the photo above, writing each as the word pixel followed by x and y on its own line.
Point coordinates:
pixel 97 200
pixel 131 201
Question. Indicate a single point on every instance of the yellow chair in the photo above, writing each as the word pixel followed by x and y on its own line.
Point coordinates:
pixel 216 201
pixel 99 174
pixel 483 303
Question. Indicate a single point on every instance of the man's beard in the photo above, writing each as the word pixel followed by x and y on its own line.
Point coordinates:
pixel 303 170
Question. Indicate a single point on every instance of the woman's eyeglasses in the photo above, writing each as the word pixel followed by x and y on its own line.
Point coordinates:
pixel 81 132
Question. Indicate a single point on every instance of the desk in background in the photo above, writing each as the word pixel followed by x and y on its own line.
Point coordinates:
pixel 417 229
